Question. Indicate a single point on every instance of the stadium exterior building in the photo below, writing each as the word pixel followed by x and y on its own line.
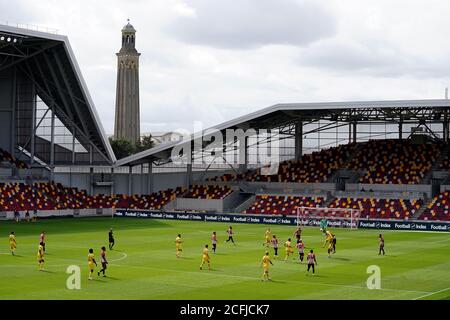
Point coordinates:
pixel 48 120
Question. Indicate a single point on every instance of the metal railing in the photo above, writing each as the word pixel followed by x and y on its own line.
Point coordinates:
pixel 29 26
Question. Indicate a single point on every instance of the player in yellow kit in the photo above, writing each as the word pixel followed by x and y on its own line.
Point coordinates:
pixel 205 258
pixel 12 243
pixel 268 236
pixel 91 263
pixel 178 245
pixel 329 239
pixel 40 256
pixel 265 265
pixel 288 249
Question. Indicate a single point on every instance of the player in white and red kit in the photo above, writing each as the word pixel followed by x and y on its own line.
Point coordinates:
pixel 42 239
pixel 103 261
pixel 214 241
pixel 311 261
pixel 275 246
pixel 230 233
pixel 301 247
pixel 381 244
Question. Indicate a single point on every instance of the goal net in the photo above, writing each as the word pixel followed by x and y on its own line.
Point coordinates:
pixel 328 217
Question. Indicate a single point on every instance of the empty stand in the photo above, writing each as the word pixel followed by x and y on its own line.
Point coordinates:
pixel 395 161
pixel 380 208
pixel 208 192
pixel 285 205
pixel 439 208
pixel 6 157
pixel 154 201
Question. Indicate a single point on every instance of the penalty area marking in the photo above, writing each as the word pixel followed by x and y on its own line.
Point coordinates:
pixel 431 294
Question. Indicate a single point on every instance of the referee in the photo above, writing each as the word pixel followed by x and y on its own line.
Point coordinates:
pixel 111 239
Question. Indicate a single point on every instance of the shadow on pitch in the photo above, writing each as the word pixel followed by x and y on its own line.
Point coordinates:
pixel 98 280
pixel 340 258
pixel 310 275
pixel 185 258
pixel 274 281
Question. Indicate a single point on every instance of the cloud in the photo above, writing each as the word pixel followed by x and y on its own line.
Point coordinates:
pixel 376 58
pixel 247 24
pixel 295 51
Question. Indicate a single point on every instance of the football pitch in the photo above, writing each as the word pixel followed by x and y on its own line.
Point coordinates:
pixel 143 263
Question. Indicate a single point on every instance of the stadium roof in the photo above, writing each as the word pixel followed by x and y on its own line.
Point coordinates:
pixel 47 59
pixel 287 114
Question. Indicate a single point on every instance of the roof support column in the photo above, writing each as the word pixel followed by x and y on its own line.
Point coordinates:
pixel 400 130
pixel 298 140
pixel 113 191
pixel 91 181
pixel 150 178
pixel 244 149
pixel 355 131
pixel 74 132
pixel 33 125
pixel 349 132
pixel 445 126
pixel 189 176
pixel 130 180
pixel 91 154
pixel 52 139
pixel 13 113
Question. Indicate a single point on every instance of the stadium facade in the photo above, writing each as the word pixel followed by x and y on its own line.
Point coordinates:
pixel 390 155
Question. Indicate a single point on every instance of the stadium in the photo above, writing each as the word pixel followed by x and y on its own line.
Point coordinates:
pixel 357 169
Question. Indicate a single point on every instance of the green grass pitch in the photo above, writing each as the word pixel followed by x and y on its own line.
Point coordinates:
pixel 144 266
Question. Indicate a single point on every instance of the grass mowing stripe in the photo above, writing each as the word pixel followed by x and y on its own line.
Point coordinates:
pixel 416 263
pixel 259 279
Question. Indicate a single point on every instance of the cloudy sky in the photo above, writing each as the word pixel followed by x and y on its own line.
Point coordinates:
pixel 214 60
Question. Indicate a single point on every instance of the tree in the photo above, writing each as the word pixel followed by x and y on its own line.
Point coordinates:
pixel 122 148
pixel 145 143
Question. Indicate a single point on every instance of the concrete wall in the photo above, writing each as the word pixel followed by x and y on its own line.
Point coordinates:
pixel 74 180
pixel 300 193
pixel 217 205
pixel 380 195
pixel 33 172
pixel 290 187
pixel 211 205
pixel 9 215
pixel 5 172
pixel 232 201
pixel 120 183
pixel 161 181
pixel 420 188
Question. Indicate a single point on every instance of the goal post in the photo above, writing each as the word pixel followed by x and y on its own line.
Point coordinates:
pixel 341 217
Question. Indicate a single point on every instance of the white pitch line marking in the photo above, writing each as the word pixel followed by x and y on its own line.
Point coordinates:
pixel 431 293
pixel 124 256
